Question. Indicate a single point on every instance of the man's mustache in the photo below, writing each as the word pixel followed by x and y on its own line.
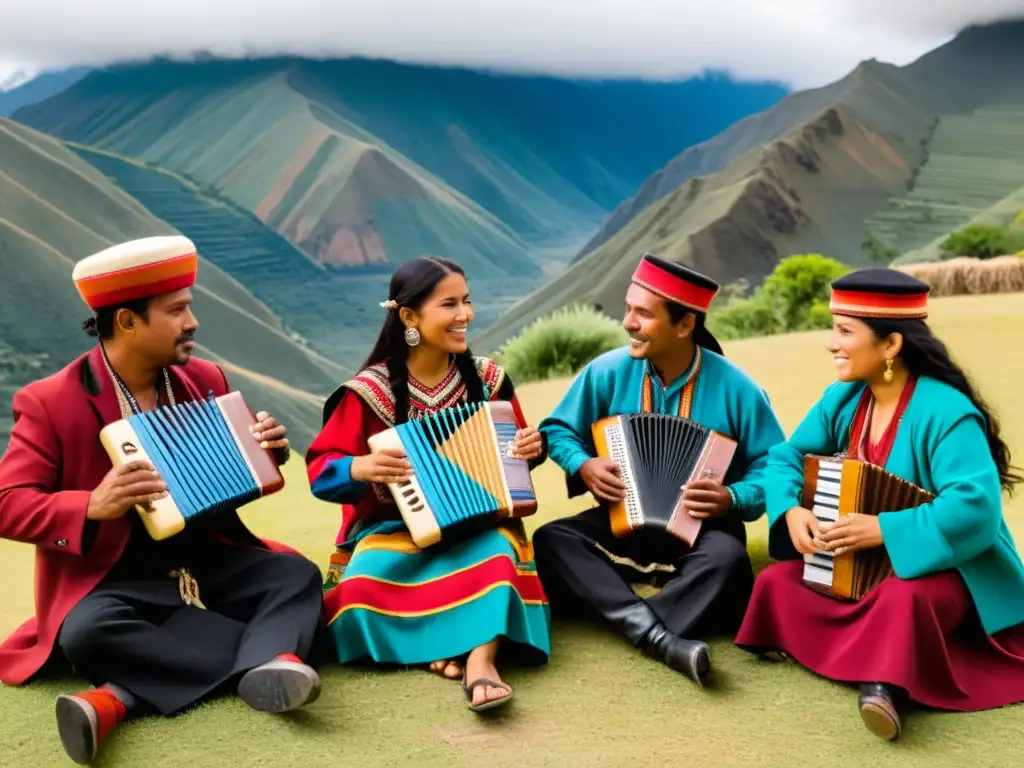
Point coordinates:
pixel 638 336
pixel 184 338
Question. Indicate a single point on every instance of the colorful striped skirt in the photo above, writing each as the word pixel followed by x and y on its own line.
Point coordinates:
pixel 387 600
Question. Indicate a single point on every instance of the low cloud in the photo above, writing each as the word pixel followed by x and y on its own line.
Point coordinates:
pixel 801 42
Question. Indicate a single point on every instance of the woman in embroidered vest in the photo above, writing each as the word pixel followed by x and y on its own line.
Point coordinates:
pixel 947 630
pixel 449 605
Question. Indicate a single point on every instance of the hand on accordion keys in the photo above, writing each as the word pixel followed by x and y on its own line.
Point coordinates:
pixel 706 498
pixel 136 482
pixel 804 530
pixel 852 532
pixel 528 443
pixel 387 466
pixel 601 476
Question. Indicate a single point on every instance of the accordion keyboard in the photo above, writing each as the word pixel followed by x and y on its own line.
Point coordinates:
pixel 818 568
pixel 618 453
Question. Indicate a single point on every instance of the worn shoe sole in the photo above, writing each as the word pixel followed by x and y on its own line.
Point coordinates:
pixel 78 726
pixel 880 718
pixel 700 666
pixel 279 686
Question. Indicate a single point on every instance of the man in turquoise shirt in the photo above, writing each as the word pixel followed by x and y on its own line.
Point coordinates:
pixel 673 365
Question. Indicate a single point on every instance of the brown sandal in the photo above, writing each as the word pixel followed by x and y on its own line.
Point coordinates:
pixel 492 703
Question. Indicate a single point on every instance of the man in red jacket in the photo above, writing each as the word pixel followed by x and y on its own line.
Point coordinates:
pixel 156 625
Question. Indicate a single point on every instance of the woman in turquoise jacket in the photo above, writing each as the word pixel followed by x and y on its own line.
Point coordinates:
pixel 947 629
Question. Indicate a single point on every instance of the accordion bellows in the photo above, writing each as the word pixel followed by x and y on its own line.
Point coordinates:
pixel 205 453
pixel 462 469
pixel 835 486
pixel 657 454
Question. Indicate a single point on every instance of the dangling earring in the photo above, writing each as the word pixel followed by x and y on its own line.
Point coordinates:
pixel 888 370
pixel 412 337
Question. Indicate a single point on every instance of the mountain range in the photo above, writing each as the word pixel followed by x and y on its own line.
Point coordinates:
pixel 899 154
pixel 303 183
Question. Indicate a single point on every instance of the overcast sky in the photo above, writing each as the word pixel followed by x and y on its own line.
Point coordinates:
pixel 801 42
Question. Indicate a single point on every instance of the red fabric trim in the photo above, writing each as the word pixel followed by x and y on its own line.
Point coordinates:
pixel 432 596
pixel 873 304
pixel 673 287
pixel 141 291
pixel 289 657
pixel 877 453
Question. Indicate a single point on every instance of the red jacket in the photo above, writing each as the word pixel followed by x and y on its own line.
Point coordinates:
pixel 53 461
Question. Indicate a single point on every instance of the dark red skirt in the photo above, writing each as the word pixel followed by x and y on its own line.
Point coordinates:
pixel 922 635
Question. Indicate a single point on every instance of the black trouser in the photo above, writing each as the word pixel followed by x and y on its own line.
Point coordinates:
pixel 138 634
pixel 708 592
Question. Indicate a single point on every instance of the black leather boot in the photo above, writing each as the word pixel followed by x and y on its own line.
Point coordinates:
pixel 691 657
pixel 878 711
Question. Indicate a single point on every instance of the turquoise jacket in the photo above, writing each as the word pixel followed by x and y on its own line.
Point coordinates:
pixel 940 446
pixel 725 399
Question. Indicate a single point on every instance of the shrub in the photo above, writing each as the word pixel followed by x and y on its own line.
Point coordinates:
pixel 795 284
pixel 560 344
pixel 982 241
pixel 742 318
pixel 794 297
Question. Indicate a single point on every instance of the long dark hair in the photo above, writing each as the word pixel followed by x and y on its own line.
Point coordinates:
pixel 702 337
pixel 411 284
pixel 925 355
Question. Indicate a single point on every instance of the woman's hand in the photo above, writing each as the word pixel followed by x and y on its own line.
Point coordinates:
pixel 388 466
pixel 851 533
pixel 528 443
pixel 804 530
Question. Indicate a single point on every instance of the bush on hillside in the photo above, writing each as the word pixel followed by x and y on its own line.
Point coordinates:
pixel 982 241
pixel 955 277
pixel 796 283
pixel 560 344
pixel 794 297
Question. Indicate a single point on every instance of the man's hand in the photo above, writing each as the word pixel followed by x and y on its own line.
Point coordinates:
pixel 136 482
pixel 528 443
pixel 389 466
pixel 269 433
pixel 851 533
pixel 602 478
pixel 706 498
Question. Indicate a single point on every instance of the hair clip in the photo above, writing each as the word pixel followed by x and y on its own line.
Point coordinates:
pixel 389 304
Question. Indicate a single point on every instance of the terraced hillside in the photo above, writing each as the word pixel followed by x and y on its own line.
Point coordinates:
pixel 365 162
pixel 973 161
pixel 55 209
pixel 335 311
pixel 806 174
pixel 1005 213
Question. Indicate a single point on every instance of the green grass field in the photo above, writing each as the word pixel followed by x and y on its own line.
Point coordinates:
pixel 598 702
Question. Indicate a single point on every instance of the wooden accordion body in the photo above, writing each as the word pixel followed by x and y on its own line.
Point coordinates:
pixel 657 454
pixel 205 453
pixel 835 486
pixel 462 467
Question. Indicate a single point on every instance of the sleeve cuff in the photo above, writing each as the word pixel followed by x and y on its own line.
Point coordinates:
pixel 334 483
pixel 72 512
pixel 572 466
pixel 914 550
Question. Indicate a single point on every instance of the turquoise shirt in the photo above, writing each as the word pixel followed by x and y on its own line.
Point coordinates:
pixel 940 446
pixel 725 399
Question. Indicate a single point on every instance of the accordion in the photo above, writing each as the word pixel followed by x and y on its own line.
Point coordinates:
pixel 836 486
pixel 205 454
pixel 463 470
pixel 657 454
